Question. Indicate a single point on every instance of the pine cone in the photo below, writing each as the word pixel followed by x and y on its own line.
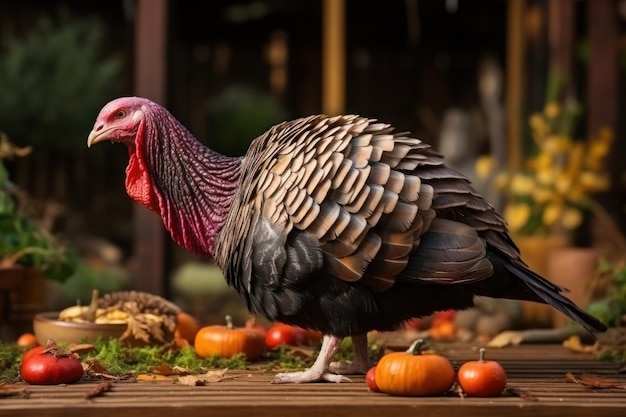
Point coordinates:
pixel 138 303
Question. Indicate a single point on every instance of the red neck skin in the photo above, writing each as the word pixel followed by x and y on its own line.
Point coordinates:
pixel 187 184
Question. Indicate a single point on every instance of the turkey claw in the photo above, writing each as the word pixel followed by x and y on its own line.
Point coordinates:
pixel 305 376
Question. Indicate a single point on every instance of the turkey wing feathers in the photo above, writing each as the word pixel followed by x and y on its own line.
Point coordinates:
pixel 365 197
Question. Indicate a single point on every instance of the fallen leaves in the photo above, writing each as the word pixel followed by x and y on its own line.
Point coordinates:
pixel 143 327
pixel 595 381
pixel 203 379
pixel 506 338
pixel 574 344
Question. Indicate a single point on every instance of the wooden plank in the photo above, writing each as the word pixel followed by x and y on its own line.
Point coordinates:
pixel 148 270
pixel 537 370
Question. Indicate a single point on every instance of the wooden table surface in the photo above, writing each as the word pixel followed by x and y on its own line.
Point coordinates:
pixel 537 372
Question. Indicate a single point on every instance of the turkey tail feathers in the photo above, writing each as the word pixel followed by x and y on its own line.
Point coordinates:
pixel 552 294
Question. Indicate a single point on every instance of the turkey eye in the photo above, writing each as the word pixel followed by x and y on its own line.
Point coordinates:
pixel 120 114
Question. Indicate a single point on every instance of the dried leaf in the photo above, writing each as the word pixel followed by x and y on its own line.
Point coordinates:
pixel 506 338
pixel 151 377
pixel 94 365
pixel 106 376
pixel 203 379
pixel 595 381
pixel 574 344
pixel 165 369
pixel 81 348
pixel 98 389
pixel 144 327
pixel 155 330
pixel 136 329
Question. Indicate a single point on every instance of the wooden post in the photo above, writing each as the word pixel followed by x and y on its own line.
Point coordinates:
pixel 333 57
pixel 515 82
pixel 150 82
pixel 602 79
pixel 561 40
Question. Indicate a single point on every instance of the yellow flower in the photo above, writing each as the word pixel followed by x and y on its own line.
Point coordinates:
pixel 484 167
pixel 572 218
pixel 542 195
pixel 522 184
pixel 517 215
pixel 538 126
pixel 547 176
pixel 552 213
pixel 558 181
pixel 536 122
pixel 576 158
pixel 563 184
pixel 552 110
pixel 556 144
pixel 599 149
pixel 502 181
pixel 593 181
pixel 542 162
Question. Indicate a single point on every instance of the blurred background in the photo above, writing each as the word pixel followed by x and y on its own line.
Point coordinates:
pixel 490 83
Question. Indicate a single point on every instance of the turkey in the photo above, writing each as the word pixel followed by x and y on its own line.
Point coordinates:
pixel 339 224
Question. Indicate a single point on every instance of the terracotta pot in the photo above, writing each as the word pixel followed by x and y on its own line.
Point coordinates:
pixel 28 298
pixel 574 269
pixel 10 278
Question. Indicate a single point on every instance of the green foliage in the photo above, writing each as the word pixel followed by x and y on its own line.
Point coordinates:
pixel 22 240
pixel 53 81
pixel 86 278
pixel 239 115
pixel 611 307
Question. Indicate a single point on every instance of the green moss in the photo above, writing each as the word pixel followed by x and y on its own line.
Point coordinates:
pixel 10 355
pixel 119 359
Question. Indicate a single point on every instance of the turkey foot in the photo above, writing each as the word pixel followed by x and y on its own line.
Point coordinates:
pixel 320 369
pixel 310 375
pixel 361 363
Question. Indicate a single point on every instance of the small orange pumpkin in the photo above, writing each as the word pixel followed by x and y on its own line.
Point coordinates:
pixel 228 341
pixel 186 326
pixel 482 378
pixel 414 373
pixel 443 330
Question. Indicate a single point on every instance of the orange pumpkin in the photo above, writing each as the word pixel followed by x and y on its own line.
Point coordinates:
pixel 443 331
pixel 186 326
pixel 414 373
pixel 228 341
pixel 482 378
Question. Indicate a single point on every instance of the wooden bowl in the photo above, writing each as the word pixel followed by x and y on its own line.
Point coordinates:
pixel 46 326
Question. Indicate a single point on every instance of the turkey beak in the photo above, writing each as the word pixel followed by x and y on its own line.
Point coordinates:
pixel 98 134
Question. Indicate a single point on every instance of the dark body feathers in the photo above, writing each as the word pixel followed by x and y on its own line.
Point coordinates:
pixel 341 225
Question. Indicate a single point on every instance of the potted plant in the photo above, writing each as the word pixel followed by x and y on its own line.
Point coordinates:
pixel 29 254
pixel 22 241
pixel 547 198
